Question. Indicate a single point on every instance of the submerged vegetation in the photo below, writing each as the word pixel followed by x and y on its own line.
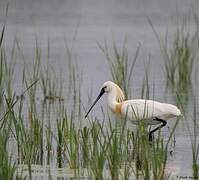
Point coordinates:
pixel 30 135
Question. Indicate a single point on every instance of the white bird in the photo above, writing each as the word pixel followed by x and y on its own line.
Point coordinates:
pixel 152 112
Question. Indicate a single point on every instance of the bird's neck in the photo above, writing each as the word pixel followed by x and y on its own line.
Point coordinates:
pixel 112 102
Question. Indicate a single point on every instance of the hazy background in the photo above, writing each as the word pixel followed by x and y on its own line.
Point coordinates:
pixel 86 22
pixel 83 23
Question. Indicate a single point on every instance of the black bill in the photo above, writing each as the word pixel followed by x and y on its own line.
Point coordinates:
pixel 101 93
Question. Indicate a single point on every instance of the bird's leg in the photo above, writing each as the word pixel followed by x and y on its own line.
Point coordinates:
pixel 150 136
pixel 162 125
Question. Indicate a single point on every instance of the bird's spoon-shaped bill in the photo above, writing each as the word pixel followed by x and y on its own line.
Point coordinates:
pixel 99 96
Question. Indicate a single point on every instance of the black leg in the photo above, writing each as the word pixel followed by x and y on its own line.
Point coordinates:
pixel 162 125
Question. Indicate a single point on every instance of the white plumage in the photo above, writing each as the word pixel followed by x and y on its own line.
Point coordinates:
pixel 148 109
pixel 152 112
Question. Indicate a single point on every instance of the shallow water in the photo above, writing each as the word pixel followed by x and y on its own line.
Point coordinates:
pixel 83 24
pixel 42 172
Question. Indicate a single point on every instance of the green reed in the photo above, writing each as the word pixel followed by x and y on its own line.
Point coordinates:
pixel 193 130
pixel 49 147
pixel 29 142
pixel 73 147
pixel 63 131
pixel 74 79
pixel 145 90
pixel 129 153
pixel 98 147
pixel 85 144
pixel 115 147
pixel 2 35
pixel 150 157
pixel 2 74
pixel 7 168
pixel 179 57
pixel 49 82
pixel 195 144
pixel 31 75
pixel 121 65
pixel 67 142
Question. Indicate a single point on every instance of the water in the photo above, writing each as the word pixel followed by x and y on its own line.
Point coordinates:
pixel 83 24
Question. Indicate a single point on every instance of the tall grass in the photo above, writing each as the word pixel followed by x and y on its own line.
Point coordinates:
pixel 179 57
pixel 180 60
pixel 97 156
pixel 75 80
pixel 7 168
pixel 104 150
pixel 195 144
pixel 145 90
pixel 193 129
pixel 121 65
pixel 51 85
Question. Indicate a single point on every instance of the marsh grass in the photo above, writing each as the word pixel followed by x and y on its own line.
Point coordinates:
pixel 193 130
pixel 148 157
pixel 7 168
pixel 51 87
pixel 179 57
pixel 97 156
pixel 104 150
pixel 75 82
pixel 97 148
pixel 195 144
pixel 145 90
pixel 49 147
pixel 1 82
pixel 121 65
pixel 67 142
pixel 128 154
pixel 115 150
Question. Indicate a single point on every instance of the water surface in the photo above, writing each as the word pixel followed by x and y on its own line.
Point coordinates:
pixel 83 24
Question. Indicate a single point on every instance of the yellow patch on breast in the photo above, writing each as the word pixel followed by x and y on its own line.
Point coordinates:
pixel 118 109
pixel 119 95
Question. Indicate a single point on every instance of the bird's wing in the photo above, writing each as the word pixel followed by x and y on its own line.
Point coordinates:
pixel 142 109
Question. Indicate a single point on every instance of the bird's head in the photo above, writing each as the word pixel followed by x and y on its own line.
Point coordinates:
pixel 109 87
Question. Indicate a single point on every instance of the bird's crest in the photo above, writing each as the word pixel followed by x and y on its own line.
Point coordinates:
pixel 119 94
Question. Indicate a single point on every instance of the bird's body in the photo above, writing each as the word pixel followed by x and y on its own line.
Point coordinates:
pixel 152 112
pixel 140 109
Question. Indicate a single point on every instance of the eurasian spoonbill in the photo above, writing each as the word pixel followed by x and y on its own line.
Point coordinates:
pixel 138 109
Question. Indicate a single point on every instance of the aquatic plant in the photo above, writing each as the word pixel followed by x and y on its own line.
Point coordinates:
pixel 179 57
pixel 195 144
pixel 98 147
pixel 98 150
pixel 51 85
pixel 121 66
pixel 7 167
pixel 145 90
pixel 193 129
